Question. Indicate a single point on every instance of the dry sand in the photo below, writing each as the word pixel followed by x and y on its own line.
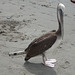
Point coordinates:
pixel 21 21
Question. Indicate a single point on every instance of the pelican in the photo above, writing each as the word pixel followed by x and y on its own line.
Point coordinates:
pixel 47 41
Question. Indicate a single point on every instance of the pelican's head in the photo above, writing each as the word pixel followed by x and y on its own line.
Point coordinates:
pixel 61 6
pixel 60 12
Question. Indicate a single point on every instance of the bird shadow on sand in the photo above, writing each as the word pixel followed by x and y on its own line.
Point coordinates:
pixel 39 69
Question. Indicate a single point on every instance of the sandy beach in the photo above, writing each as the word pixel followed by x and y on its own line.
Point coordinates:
pixel 21 21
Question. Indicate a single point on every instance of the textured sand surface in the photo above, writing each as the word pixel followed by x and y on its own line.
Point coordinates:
pixel 21 21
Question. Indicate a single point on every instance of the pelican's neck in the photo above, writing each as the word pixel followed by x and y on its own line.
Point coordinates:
pixel 60 31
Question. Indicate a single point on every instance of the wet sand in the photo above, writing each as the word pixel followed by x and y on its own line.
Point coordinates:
pixel 21 21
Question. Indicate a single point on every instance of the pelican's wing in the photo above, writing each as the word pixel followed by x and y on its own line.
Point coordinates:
pixel 46 39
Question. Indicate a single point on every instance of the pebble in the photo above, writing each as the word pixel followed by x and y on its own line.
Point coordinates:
pixel 73 15
pixel 60 46
pixel 72 43
pixel 22 38
pixel 23 5
pixel 65 15
pixel 21 8
pixel 24 20
pixel 8 17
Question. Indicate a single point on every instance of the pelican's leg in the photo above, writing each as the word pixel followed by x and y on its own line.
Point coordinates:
pixel 48 62
pixel 44 58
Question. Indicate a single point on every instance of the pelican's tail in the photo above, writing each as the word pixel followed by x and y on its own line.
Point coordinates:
pixel 17 53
